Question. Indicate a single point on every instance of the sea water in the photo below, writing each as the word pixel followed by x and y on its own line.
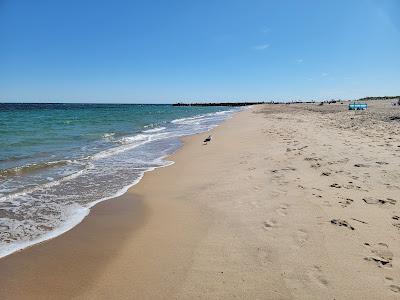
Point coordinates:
pixel 58 160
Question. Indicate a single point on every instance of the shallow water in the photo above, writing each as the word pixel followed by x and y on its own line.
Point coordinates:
pixel 58 160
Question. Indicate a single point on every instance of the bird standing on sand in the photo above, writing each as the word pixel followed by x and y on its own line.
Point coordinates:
pixel 208 139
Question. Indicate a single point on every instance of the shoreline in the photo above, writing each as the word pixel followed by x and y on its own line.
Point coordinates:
pixel 128 201
pixel 284 203
pixel 85 211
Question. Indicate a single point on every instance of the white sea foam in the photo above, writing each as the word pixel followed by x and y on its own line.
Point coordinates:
pixel 77 214
pixel 157 129
pixel 45 185
pixel 108 135
pixel 189 120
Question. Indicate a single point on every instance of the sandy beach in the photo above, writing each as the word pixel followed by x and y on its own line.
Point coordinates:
pixel 286 202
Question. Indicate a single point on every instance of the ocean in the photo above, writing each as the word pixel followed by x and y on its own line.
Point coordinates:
pixel 58 160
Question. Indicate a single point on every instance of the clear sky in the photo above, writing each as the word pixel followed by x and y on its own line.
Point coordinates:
pixel 174 50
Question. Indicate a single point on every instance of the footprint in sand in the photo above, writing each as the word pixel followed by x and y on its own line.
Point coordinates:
pixel 317 275
pixel 346 202
pixel 282 210
pixel 341 223
pixel 283 169
pixel 397 225
pixel 341 161
pixel 270 224
pixel 361 166
pixel 377 201
pixel 301 237
pixel 380 255
pixel 327 203
pixel 393 287
pixel 335 185
pixel 351 186
pixel 314 159
pixel 389 186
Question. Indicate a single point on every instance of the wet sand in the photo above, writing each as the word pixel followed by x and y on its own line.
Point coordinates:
pixel 286 202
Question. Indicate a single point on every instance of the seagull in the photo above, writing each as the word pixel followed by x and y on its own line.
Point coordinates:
pixel 208 139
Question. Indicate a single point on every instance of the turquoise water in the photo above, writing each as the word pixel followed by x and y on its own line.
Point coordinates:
pixel 58 160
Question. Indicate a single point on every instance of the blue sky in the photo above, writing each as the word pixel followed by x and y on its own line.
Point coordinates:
pixel 214 50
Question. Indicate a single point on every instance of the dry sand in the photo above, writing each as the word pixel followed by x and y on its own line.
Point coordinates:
pixel 286 202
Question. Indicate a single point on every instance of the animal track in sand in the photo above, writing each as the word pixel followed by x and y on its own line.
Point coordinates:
pixel 343 223
pixel 381 255
pixel 326 174
pixel 372 200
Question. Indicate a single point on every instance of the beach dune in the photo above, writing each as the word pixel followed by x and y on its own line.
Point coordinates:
pixel 285 202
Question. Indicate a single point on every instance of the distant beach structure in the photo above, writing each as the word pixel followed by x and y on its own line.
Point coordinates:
pixel 358 106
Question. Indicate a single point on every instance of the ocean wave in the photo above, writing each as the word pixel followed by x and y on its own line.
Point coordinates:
pixel 108 135
pixel 157 129
pixel 132 139
pixel 188 120
pixel 33 167
pixel 44 185
pixel 74 215
pixel 197 119
pixel 131 142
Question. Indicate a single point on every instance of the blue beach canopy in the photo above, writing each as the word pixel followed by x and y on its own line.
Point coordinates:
pixel 358 106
